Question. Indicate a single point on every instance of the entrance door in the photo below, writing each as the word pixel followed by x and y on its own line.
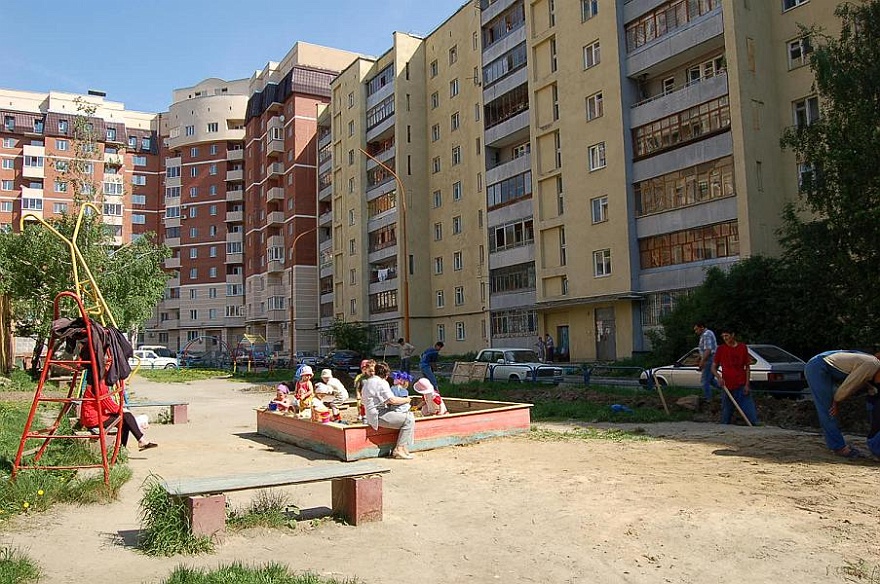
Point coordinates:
pixel 606 345
pixel 563 348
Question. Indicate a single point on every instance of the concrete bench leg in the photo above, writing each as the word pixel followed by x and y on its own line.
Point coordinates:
pixel 207 514
pixel 178 414
pixel 358 500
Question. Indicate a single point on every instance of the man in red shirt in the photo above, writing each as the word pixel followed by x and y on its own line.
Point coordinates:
pixel 734 362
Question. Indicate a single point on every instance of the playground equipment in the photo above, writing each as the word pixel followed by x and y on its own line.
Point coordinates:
pixel 247 352
pixel 87 302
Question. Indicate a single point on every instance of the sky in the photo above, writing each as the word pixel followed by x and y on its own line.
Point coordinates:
pixel 139 52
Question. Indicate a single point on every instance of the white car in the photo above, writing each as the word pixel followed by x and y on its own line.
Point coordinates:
pixel 514 364
pixel 150 360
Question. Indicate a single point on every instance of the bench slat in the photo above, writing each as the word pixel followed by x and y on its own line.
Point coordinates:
pixel 155 404
pixel 211 485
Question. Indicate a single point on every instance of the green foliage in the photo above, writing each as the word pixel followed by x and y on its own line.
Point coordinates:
pixel 164 527
pixel 17 568
pixel 607 434
pixel 268 509
pixel 19 381
pixel 241 574
pixel 356 336
pixel 180 375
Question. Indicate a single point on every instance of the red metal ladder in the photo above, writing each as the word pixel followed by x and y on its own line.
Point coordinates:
pixel 79 369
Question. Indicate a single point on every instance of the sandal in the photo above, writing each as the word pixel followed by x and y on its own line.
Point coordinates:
pixel 849 452
pixel 147 446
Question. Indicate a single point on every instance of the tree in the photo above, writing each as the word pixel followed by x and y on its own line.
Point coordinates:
pixel 831 236
pixel 356 336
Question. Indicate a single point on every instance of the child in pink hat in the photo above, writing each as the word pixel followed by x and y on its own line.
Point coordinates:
pixel 281 403
pixel 433 403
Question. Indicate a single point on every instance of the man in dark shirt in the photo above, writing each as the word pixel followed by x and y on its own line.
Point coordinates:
pixel 429 360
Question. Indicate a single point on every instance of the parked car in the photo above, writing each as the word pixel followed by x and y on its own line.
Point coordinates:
pixel 160 350
pixel 281 360
pixel 257 357
pixel 192 359
pixel 306 358
pixel 513 364
pixel 342 360
pixel 773 370
pixel 148 359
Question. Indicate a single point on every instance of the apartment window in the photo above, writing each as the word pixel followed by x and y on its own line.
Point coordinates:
pixel 61 165
pixel 189 130
pixel 212 293
pixel 194 171
pixel 441 333
pixel 597 156
pixel 212 210
pixel 212 272
pixel 351 99
pixel 57 208
pixel 595 109
pixel 438 199
pixel 602 263
pixel 212 251
pixel 9 123
pixel 38 127
pixel 63 126
pixel 682 127
pixel 33 161
pixel 599 207
pixel 138 199
pixel 457 261
pixel 456 224
pixel 510 235
pixel 440 300
pixel 459 331
pixel 10 142
pixel 213 127
pixel 212 230
pixel 453 87
pixel 434 68
pixel 193 192
pixel 435 100
pixel 435 132
pixel 193 294
pixel 60 186
pixel 212 169
pixel 352 277
pixel 690 245
pixel 193 253
pixel 32 204
pixel 132 141
pixel 6 185
pixel 798 50
pixel 557 143
pixel 193 273
pixel 591 55
pixel 459 295
pixel 61 144
pixel 8 163
pixel 138 219
pixel 454 121
pixel 351 216
pixel 805 175
pixel 553 62
pixel 352 306
pixel 520 150
pixel 438 265
pixel 789 4
pixel 563 258
pixel 145 144
pixel 213 151
pixel 6 207
pixel 589 9
pixel 351 128
pixel 435 165
pixel 453 54
pixel 193 232
pixel 456 155
pixel 668 85
pixel 438 231
pixel 805 111
pixel 351 185
pixel 456 191
pixel 352 247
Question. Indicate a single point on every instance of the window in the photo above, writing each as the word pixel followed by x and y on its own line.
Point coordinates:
pixel 193 192
pixel 456 155
pixel 441 332
pixel 435 132
pixel 145 143
pixel 350 99
pixel 553 62
pixel 435 165
pixel 510 235
pixel 6 185
pixel 435 100
pixel 806 111
pixel 132 142
pixel 438 265
pixel 459 295
pixel 438 231
pixel 589 9
pixel 138 218
pixel 113 188
pixel 193 253
pixel 213 127
pixel 351 128
pixel 456 191
pixel 595 109
pixel 10 142
pixel 456 224
pixel 172 171
pixel 434 68
pixel 599 207
pixel 457 261
pixel 60 186
pixel 212 293
pixel 212 272
pixel 591 55
pixel 139 199
pixel 453 54
pixel 459 331
pixel 690 245
pixel 352 306
pixel 212 169
pixel 33 161
pixel 58 208
pixel 9 123
pixel 563 257
pixel 597 156
pixel 805 176
pixel 454 121
pixel 189 130
pixel 213 151
pixel 32 204
pixel 6 207
pixel 602 263
pixel 789 4
pixel 352 247
pixel 453 87
pixel 194 171
pixel 8 163
pixel 63 126
pixel 61 144
pixel 798 50
pixel 440 301
pixel 438 199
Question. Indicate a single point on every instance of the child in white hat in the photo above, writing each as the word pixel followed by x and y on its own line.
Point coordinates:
pixel 304 390
pixel 433 403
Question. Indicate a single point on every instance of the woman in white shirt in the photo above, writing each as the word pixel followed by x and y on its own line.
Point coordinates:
pixel 379 403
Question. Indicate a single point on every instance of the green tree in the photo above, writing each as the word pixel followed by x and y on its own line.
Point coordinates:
pixel 831 236
pixel 355 336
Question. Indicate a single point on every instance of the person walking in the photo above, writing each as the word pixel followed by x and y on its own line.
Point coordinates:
pixel 735 362
pixel 834 376
pixel 428 362
pixel 708 346
pixel 548 347
pixel 540 349
pixel 405 352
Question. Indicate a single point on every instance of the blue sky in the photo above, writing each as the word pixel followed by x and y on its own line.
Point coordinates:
pixel 138 52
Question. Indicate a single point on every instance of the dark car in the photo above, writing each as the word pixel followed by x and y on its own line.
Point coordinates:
pixel 342 360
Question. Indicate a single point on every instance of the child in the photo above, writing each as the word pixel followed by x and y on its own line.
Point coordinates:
pixel 304 390
pixel 366 365
pixel 321 411
pixel 281 403
pixel 433 405
pixel 400 388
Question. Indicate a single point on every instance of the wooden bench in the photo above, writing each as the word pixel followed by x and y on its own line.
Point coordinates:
pixel 356 492
pixel 178 409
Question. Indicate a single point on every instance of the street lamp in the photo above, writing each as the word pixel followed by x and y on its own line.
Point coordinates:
pixel 292 332
pixel 403 246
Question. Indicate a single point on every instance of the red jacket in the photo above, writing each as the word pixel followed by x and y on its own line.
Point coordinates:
pixel 88 416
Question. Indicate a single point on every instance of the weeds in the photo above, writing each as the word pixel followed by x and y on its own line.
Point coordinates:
pixel 609 434
pixel 165 530
pixel 17 568
pixel 267 509
pixel 180 375
pixel 860 572
pixel 241 574
pixel 19 381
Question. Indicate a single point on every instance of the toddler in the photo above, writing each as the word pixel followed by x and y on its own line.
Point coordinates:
pixel 322 412
pixel 281 403
pixel 400 388
pixel 304 390
pixel 433 405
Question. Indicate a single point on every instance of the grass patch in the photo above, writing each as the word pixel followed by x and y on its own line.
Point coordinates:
pixel 860 572
pixel 164 527
pixel 257 376
pixel 19 380
pixel 17 568
pixel 240 574
pixel 37 489
pixel 180 375
pixel 608 434
pixel 267 509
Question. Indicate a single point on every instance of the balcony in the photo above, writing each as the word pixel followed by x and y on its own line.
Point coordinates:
pixel 170 324
pixel 275 170
pixel 234 216
pixel 495 135
pixel 508 169
pixel 172 263
pixel 114 160
pixel 278 315
pixel 274 266
pixel 676 47
pixel 171 303
pixel 275 241
pixel 235 175
pixel 693 94
pixel 275 194
pixel 325 218
pixel 234 195
pixel 234 258
pixel 172 181
pixel 275 218
pixel 235 155
pixel 171 221
pixel 31 193
pixel 234 237
pixel 172 241
pixel 275 147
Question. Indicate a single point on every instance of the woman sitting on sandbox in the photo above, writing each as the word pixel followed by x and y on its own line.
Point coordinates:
pixel 380 405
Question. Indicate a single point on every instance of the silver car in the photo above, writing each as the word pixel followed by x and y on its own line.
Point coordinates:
pixel 773 370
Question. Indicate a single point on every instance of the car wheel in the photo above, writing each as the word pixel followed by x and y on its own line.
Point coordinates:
pixel 170 366
pixel 514 379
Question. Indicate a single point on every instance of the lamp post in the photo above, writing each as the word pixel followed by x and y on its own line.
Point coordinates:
pixel 403 245
pixel 292 290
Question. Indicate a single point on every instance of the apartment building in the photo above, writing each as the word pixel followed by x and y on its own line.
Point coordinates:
pixel 118 153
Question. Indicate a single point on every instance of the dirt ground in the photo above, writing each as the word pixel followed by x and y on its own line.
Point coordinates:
pixel 701 503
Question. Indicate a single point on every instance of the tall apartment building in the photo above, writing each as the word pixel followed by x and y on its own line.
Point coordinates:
pixel 37 144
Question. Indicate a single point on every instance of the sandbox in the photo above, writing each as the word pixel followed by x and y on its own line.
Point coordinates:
pixel 469 420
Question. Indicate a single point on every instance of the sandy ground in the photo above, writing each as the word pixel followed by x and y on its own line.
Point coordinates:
pixel 702 503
